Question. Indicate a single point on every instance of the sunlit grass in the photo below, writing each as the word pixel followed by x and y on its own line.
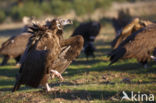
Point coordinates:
pixel 85 81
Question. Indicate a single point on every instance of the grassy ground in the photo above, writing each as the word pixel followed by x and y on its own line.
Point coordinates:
pixel 85 82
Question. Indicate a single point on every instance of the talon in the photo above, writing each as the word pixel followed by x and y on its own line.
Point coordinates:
pixel 56 73
pixel 18 65
pixel 153 57
pixel 48 88
pixel 52 76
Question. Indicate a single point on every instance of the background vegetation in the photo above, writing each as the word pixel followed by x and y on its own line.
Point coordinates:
pixel 16 9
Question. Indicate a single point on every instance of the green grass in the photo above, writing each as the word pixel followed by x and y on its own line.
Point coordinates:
pixel 93 81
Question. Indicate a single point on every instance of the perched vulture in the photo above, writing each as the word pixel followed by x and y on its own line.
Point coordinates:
pixel 14 47
pixel 132 27
pixel 47 54
pixel 139 45
pixel 89 31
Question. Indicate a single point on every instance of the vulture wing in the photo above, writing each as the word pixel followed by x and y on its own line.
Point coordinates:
pixel 139 45
pixel 71 48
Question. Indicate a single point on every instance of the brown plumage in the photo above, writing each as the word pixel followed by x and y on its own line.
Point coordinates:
pixel 132 27
pixel 47 53
pixel 139 45
pixel 14 47
pixel 89 31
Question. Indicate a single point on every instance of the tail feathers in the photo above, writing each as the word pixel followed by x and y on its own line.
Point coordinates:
pixel 117 54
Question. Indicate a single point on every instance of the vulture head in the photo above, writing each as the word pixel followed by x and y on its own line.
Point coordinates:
pixel 58 23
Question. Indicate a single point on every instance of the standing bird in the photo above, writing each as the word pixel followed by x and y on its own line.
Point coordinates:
pixel 14 47
pixel 139 45
pixel 89 31
pixel 47 54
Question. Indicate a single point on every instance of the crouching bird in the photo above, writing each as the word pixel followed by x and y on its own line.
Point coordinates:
pixel 47 54
pixel 140 45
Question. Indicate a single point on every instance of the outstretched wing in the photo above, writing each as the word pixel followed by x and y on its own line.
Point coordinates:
pixel 71 48
pixel 61 63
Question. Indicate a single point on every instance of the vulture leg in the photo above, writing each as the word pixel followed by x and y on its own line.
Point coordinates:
pixel 17 58
pixel 17 61
pixel 57 74
pixel 17 83
pixel 145 66
pixel 5 60
pixel 144 63
pixel 48 88
pixel 87 58
pixel 153 57
pixel 93 56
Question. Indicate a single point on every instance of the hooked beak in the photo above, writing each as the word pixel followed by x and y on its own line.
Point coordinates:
pixel 66 22
pixel 63 22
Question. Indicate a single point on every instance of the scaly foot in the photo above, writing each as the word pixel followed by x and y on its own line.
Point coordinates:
pixel 57 74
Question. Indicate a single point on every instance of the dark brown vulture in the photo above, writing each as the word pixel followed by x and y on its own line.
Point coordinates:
pixel 14 47
pixel 47 54
pixel 139 45
pixel 132 27
pixel 121 21
pixel 89 31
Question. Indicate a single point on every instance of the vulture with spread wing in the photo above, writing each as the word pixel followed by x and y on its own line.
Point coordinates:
pixel 47 54
pixel 139 45
pixel 89 31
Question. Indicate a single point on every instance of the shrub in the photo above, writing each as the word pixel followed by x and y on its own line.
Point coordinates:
pixel 28 9
pixel 83 6
pixel 2 16
pixel 60 7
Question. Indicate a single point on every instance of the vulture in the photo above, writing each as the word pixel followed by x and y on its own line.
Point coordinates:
pixel 14 47
pixel 89 50
pixel 121 21
pixel 132 27
pixel 89 31
pixel 47 54
pixel 140 45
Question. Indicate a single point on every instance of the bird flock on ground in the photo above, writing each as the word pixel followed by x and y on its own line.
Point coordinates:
pixel 41 52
